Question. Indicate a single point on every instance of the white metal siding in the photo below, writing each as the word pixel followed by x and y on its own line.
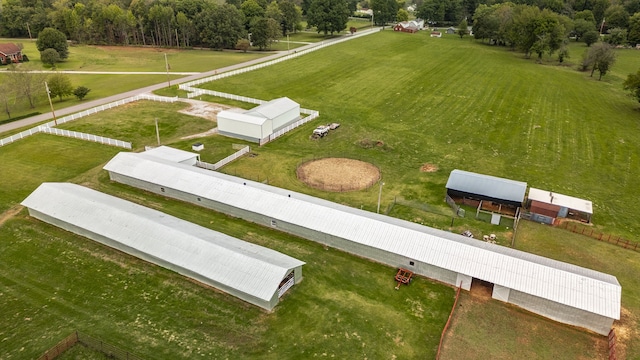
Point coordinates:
pixel 553 280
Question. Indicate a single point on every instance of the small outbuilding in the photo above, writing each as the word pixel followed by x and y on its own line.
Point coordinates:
pixel 253 273
pixel 546 206
pixel 259 122
pixel 436 34
pixel 451 30
pixel 487 192
pixel 174 155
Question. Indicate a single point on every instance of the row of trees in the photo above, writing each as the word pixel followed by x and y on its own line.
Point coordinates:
pixel 20 85
pixel 616 12
pixel 158 23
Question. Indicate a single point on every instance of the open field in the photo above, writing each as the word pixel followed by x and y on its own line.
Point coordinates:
pixel 55 282
pixel 115 58
pixel 445 102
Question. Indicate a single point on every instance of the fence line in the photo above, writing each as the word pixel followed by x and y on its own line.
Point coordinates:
pixel 188 86
pixel 616 240
pixel 290 127
pixel 446 326
pixel 612 344
pixel 76 337
pixel 62 120
pixel 225 161
pixel 88 137
pixel 64 345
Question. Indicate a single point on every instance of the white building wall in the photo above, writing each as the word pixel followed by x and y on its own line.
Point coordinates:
pixel 501 293
pixel 464 281
pixel 244 129
pixel 562 313
pixel 286 118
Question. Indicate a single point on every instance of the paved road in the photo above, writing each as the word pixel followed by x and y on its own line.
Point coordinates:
pixel 90 104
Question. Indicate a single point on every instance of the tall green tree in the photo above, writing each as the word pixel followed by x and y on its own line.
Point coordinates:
pixel 634 29
pixel 601 57
pixel 384 11
pixel 264 31
pixel 616 17
pixel 590 37
pixel 251 9
pixel 291 16
pixel 581 26
pixel 50 57
pixel 328 16
pixel 59 85
pixel 220 26
pixel 402 15
pixel 462 28
pixel 28 85
pixel 632 84
pixel 50 38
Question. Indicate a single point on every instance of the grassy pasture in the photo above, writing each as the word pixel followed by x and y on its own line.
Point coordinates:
pixel 134 122
pixel 118 58
pixel 461 104
pixel 443 101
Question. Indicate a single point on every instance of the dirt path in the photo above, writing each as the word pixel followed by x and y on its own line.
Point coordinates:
pixel 9 214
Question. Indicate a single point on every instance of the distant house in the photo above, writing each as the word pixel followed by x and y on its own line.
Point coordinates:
pixel 546 206
pixel 412 26
pixel 437 34
pixel 259 122
pixel 451 30
pixel 10 53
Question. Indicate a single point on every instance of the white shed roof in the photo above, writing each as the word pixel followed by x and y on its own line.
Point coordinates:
pixel 171 154
pixel 567 201
pixel 242 117
pixel 549 279
pixel 487 185
pixel 273 108
pixel 248 268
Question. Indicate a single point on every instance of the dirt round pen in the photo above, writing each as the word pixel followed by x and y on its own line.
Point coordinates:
pixel 338 174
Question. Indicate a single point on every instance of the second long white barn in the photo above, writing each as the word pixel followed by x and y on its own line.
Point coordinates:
pixel 260 122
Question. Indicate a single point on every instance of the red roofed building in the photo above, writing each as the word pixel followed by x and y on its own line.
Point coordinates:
pixel 10 53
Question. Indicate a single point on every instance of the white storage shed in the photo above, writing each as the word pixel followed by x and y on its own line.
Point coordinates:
pixel 557 290
pixel 259 122
pixel 253 273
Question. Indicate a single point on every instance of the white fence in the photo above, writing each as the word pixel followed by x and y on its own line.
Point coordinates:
pixel 189 86
pixel 285 130
pixel 197 92
pixel 88 137
pixel 82 114
pixel 20 135
pixel 224 161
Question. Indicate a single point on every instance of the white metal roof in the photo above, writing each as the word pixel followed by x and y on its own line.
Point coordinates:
pixel 171 154
pixel 248 268
pixel 273 108
pixel 242 117
pixel 549 279
pixel 487 185
pixel 567 201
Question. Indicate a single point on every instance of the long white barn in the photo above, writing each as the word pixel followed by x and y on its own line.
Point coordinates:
pixel 250 272
pixel 557 290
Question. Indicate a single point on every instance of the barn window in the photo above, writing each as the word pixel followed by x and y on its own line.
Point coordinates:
pixel 273 223
pixel 411 263
pixel 162 189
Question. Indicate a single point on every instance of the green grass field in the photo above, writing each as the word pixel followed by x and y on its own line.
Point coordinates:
pixel 117 58
pixel 450 102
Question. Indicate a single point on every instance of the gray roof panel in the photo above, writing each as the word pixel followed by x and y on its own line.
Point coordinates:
pixel 523 272
pixel 246 267
pixel 490 186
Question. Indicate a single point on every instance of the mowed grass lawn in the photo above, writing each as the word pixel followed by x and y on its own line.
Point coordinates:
pixel 448 102
pixel 115 59
pixel 54 282
pixel 462 104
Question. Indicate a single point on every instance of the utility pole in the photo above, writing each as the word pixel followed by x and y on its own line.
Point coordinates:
pixel 157 132
pixel 166 66
pixel 379 196
pixel 29 30
pixel 46 86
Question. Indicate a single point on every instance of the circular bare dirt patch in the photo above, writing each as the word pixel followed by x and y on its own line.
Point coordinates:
pixel 428 168
pixel 338 174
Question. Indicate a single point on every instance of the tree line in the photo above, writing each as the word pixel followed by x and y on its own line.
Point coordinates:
pixel 173 23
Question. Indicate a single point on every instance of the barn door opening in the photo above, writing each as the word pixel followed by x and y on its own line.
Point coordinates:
pixel 482 289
